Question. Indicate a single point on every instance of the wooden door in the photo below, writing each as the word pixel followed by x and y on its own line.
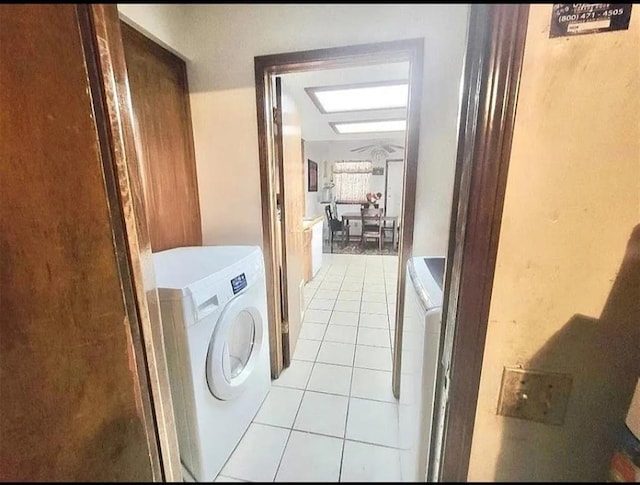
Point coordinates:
pixel 74 392
pixel 294 199
pixel 290 173
pixel 280 247
pixel 164 138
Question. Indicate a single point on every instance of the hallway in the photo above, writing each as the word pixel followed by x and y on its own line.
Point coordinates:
pixel 331 415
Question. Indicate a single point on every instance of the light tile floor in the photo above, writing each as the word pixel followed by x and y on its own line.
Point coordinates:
pixel 331 416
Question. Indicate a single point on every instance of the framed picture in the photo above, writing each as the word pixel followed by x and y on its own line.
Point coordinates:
pixel 377 171
pixel 313 176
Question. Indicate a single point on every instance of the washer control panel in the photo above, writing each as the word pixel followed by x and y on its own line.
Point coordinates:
pixel 239 283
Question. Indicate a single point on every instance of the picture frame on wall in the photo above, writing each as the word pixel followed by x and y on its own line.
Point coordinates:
pixel 312 175
pixel 377 171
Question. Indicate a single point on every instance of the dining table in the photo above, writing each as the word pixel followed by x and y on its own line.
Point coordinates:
pixel 357 216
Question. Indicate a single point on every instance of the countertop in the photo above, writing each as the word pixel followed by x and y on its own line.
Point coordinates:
pixel 309 222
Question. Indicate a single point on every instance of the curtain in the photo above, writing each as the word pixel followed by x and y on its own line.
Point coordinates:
pixel 352 179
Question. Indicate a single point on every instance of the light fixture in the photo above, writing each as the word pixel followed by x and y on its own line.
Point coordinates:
pixel 374 126
pixel 360 97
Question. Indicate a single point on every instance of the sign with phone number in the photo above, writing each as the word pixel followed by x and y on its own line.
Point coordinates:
pixel 569 19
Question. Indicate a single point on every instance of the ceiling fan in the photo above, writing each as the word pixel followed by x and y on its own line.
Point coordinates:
pixel 387 147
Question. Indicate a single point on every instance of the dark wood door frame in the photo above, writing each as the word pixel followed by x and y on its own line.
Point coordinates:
pixel 493 65
pixel 411 50
pixel 280 170
pixel 108 76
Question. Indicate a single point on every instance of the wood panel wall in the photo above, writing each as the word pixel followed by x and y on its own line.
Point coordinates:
pixel 164 139
pixel 72 407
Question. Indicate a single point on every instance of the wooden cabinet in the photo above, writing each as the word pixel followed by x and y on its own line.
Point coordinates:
pixel 164 136
pixel 306 251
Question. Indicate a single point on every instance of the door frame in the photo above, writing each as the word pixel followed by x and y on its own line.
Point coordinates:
pixel 280 246
pixel 410 50
pixel 493 65
pixel 103 37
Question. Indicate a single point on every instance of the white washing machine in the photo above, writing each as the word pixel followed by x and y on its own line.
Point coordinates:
pixel 214 317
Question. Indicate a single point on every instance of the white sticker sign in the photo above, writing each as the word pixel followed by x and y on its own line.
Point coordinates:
pixel 569 19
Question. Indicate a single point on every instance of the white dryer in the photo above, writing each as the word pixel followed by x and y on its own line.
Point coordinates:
pixel 214 317
pixel 420 347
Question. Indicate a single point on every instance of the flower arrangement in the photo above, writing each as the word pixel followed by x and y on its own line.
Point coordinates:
pixel 373 198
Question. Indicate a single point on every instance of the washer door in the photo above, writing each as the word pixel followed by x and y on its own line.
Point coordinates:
pixel 234 348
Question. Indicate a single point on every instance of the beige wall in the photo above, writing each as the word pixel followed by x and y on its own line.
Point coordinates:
pixel 164 23
pixel 225 39
pixel 573 197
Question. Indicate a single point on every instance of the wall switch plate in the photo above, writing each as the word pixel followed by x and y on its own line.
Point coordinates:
pixel 534 395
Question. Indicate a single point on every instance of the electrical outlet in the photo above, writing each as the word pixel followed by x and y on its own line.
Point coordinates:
pixel 534 395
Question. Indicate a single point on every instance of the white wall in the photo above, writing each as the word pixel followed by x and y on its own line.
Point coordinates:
pixel 222 42
pixel 572 200
pixel 164 23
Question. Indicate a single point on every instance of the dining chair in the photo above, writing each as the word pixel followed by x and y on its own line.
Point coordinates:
pixel 388 227
pixel 372 227
pixel 336 225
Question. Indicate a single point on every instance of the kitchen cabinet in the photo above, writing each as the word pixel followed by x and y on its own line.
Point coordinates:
pixel 312 246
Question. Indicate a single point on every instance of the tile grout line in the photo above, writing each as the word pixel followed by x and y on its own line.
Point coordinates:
pixel 344 365
pixel 336 394
pixel 240 441
pixel 304 391
pixel 346 420
pixel 315 433
pixel 391 333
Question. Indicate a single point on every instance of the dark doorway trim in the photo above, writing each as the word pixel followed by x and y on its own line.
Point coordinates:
pixel 109 81
pixel 411 50
pixel 493 65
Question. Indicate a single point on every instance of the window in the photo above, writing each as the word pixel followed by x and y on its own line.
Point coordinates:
pixel 352 180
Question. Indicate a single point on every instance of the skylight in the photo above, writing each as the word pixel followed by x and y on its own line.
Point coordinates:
pixel 349 127
pixel 358 97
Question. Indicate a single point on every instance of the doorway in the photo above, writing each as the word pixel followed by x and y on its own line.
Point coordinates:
pixel 274 198
pixel 332 363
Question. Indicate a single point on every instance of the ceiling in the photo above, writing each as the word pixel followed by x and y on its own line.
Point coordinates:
pixel 315 125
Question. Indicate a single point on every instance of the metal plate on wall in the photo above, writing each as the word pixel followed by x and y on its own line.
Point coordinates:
pixel 534 395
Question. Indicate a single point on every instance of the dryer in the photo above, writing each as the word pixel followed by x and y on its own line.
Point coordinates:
pixel 420 345
pixel 214 318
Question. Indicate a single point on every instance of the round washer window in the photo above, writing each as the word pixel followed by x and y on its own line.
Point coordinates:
pixel 237 341
pixel 241 336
